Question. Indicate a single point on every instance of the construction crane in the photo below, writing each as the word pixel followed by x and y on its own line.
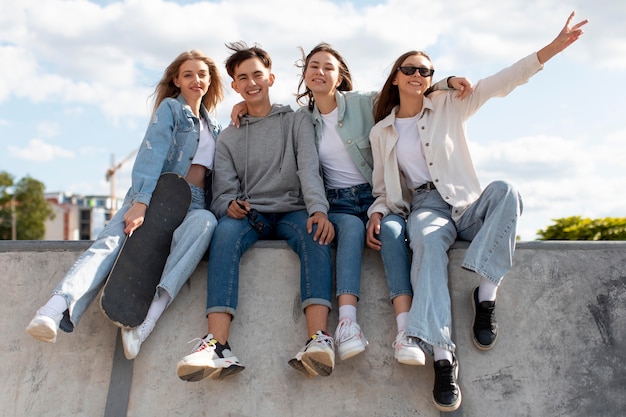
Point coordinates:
pixel 110 177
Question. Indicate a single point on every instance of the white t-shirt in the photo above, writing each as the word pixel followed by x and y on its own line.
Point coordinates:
pixel 411 159
pixel 205 154
pixel 338 168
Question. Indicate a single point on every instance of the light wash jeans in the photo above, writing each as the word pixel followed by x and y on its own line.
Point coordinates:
pixel 233 237
pixel 489 224
pixel 190 241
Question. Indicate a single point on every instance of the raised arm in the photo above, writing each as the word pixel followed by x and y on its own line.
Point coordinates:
pixel 565 38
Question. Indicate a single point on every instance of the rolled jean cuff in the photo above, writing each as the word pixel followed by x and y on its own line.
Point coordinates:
pixel 349 292
pixel 394 295
pixel 221 309
pixel 316 301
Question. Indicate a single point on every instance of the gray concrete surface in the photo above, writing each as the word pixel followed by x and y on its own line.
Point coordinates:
pixel 561 350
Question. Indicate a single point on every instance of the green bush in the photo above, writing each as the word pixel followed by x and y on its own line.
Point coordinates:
pixel 577 228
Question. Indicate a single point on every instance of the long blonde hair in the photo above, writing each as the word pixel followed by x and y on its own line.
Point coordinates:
pixel 166 87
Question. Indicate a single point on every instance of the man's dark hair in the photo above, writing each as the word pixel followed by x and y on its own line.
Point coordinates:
pixel 242 52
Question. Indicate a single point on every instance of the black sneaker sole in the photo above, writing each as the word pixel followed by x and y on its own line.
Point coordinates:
pixel 479 345
pixel 321 368
pixel 300 367
pixel 214 374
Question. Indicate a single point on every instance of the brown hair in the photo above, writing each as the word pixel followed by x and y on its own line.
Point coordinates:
pixel 166 87
pixel 306 97
pixel 389 96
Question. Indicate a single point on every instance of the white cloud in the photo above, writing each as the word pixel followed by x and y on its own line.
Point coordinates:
pixel 37 151
pixel 48 129
pixel 77 56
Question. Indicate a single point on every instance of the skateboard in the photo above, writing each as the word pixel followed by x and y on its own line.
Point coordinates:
pixel 131 284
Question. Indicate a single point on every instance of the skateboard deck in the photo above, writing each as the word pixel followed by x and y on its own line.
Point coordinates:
pixel 132 282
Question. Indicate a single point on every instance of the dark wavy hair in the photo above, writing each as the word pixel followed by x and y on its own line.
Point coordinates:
pixel 389 96
pixel 306 98
pixel 243 52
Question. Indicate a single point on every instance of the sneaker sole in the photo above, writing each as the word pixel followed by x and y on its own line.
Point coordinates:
pixel 42 332
pixel 411 360
pixel 478 345
pixel 319 362
pixel 303 368
pixel 193 373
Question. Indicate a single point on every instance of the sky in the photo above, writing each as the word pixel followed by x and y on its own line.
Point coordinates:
pixel 76 79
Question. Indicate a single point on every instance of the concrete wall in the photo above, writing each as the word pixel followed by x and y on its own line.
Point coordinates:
pixel 561 349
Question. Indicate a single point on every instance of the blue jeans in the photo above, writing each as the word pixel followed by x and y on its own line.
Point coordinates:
pixel 233 237
pixel 83 281
pixel 489 224
pixel 348 213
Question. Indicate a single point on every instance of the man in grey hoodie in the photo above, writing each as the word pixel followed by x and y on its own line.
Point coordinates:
pixel 266 185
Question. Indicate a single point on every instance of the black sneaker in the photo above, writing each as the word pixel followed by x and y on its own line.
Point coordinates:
pixel 485 329
pixel 446 394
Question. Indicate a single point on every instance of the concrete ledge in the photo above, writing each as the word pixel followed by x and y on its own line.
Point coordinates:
pixel 561 350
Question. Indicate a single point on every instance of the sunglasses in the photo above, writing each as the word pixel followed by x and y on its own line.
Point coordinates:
pixel 256 224
pixel 253 218
pixel 410 70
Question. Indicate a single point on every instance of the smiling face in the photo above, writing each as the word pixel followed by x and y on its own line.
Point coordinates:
pixel 252 80
pixel 322 74
pixel 193 79
pixel 412 85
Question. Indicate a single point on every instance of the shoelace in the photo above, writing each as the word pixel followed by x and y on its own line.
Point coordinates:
pixel 322 338
pixel 344 330
pixel 485 317
pixel 403 339
pixel 201 344
pixel 444 378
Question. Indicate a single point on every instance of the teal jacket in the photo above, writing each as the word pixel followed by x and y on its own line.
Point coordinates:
pixel 355 119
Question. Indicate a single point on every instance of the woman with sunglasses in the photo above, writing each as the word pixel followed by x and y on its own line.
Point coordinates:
pixel 420 142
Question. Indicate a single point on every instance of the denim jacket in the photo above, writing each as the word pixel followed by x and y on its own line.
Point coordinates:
pixel 169 145
pixel 355 118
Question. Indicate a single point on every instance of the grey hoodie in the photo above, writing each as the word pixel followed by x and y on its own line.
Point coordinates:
pixel 271 162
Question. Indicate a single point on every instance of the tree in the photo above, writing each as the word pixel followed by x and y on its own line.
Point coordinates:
pixel 577 228
pixel 31 208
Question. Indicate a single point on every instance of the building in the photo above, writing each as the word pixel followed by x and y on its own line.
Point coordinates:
pixel 78 217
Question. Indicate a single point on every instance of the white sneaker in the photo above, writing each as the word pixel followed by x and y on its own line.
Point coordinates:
pixel 131 340
pixel 317 357
pixel 349 339
pixel 209 359
pixel 407 350
pixel 44 325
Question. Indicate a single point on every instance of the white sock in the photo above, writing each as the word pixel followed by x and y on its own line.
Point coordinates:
pixel 401 321
pixel 347 312
pixel 441 354
pixel 154 313
pixel 487 290
pixel 56 303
